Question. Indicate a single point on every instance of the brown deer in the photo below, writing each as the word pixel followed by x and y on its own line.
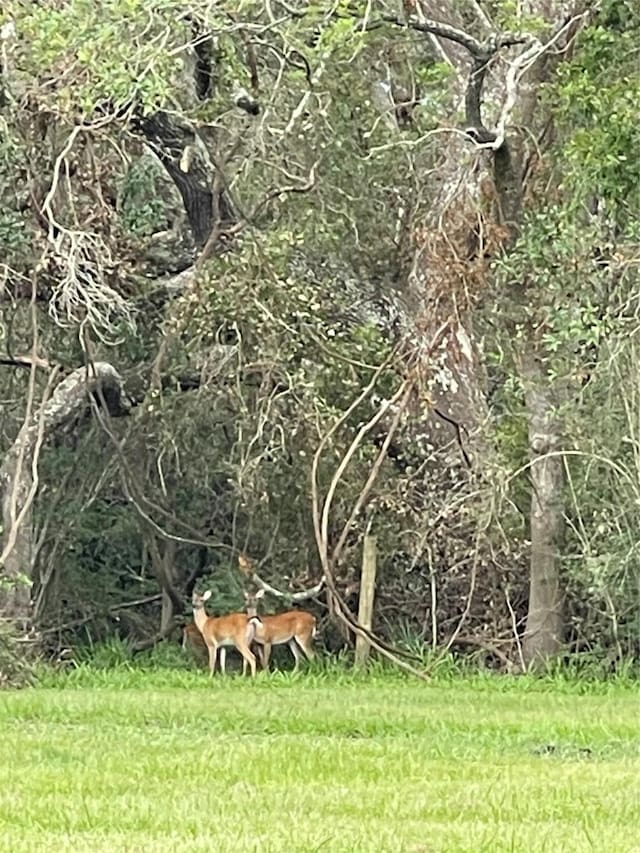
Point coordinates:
pixel 193 640
pixel 218 632
pixel 297 628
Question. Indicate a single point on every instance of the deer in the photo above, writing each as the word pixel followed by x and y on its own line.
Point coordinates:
pixel 297 628
pixel 218 632
pixel 192 639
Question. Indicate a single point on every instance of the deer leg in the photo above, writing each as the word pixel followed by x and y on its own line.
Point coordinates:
pixel 295 652
pixel 266 654
pixel 306 646
pixel 245 662
pixel 213 653
pixel 223 660
pixel 248 657
pixel 258 650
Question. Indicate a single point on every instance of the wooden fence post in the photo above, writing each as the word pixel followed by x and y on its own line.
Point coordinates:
pixel 367 592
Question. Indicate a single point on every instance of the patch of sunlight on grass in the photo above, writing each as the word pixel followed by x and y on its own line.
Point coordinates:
pixel 301 764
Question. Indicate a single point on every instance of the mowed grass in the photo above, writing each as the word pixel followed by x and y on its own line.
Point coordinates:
pixel 172 761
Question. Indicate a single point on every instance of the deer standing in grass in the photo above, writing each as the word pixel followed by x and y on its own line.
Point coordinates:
pixel 297 628
pixel 192 639
pixel 218 632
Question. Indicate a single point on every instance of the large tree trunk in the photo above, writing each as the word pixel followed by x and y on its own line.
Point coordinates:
pixel 503 72
pixel 19 478
pixel 544 628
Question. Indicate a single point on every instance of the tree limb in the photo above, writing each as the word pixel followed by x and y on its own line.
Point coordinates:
pixel 19 480
pixel 183 154
pixel 304 595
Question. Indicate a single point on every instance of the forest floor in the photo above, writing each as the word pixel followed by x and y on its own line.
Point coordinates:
pixel 124 760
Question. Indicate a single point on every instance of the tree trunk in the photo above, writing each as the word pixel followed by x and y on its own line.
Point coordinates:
pixel 166 574
pixel 544 627
pixel 19 479
pixel 184 155
pixel 446 269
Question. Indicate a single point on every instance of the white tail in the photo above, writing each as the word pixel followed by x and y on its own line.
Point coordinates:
pixel 235 629
pixel 297 628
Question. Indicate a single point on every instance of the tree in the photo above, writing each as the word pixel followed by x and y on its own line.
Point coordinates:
pixel 249 212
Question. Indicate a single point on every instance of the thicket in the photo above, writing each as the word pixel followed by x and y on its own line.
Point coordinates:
pixel 321 209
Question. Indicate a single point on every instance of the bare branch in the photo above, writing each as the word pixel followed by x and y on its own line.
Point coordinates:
pixel 247 567
pixel 434 28
pixel 403 395
pixel 304 595
pixel 320 521
pixel 26 361
pixel 19 471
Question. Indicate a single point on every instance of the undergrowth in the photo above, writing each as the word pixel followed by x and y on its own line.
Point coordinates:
pixel 168 665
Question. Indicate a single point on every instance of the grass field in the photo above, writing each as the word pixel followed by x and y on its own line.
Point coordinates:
pixel 133 761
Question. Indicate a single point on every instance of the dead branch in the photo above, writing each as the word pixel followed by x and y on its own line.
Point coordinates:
pixel 19 472
pixel 304 595
pixel 320 521
pixel 399 401
pixel 490 646
pixel 247 568
pixel 25 361
pixel 112 610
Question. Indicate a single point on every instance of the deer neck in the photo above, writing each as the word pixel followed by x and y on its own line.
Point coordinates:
pixel 200 617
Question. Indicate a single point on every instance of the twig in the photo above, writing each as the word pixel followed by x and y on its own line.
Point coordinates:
pixel 467 607
pixel 114 608
pixel 405 392
pixel 516 636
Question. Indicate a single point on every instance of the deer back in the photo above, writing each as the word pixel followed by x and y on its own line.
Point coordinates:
pixel 283 626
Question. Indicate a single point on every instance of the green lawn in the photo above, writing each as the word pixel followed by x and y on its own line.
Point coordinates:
pixel 173 762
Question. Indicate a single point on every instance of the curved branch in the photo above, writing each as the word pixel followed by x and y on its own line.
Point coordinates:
pixel 473 95
pixel 304 595
pixel 247 567
pixel 27 361
pixel 19 474
pixel 435 28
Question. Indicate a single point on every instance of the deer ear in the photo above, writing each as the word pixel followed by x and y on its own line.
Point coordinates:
pixel 259 593
pixel 206 595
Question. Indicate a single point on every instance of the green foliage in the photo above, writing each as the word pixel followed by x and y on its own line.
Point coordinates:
pixel 508 15
pixel 110 654
pixel 553 261
pixel 143 211
pixel 16 670
pixel 573 268
pixel 342 38
pixel 93 55
pixel 596 100
pixel 15 225
pixel 13 234
pixel 278 336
